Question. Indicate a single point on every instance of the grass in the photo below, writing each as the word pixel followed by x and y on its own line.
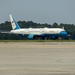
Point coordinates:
pixel 37 40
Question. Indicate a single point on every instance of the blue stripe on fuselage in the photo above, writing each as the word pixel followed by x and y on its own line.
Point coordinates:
pixel 61 34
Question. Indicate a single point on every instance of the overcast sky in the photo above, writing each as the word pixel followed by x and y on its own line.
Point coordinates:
pixel 39 11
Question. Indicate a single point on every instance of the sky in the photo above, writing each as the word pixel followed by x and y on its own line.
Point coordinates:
pixel 39 11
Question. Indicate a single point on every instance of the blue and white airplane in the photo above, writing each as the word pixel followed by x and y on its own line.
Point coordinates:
pixel 37 33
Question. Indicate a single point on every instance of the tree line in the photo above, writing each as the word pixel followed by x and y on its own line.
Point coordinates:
pixel 70 28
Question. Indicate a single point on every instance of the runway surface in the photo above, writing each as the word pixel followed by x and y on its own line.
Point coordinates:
pixel 37 58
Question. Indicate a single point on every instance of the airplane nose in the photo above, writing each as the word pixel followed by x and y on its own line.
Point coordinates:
pixel 63 33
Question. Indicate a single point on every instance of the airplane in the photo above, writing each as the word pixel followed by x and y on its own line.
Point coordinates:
pixel 36 33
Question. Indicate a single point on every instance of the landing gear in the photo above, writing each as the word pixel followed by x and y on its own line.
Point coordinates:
pixel 37 37
pixel 54 38
pixel 40 38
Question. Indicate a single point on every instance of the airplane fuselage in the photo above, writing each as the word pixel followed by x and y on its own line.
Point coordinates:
pixel 43 32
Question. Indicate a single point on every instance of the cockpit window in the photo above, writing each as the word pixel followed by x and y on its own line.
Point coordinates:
pixel 63 31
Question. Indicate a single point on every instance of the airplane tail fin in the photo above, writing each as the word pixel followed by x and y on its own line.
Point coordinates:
pixel 14 24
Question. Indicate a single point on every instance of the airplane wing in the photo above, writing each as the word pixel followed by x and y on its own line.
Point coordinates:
pixel 5 32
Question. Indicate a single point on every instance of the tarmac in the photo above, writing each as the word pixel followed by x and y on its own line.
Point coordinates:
pixel 37 58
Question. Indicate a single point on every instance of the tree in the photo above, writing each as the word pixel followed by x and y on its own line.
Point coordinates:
pixel 55 25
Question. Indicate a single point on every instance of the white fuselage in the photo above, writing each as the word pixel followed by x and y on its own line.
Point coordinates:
pixel 38 31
